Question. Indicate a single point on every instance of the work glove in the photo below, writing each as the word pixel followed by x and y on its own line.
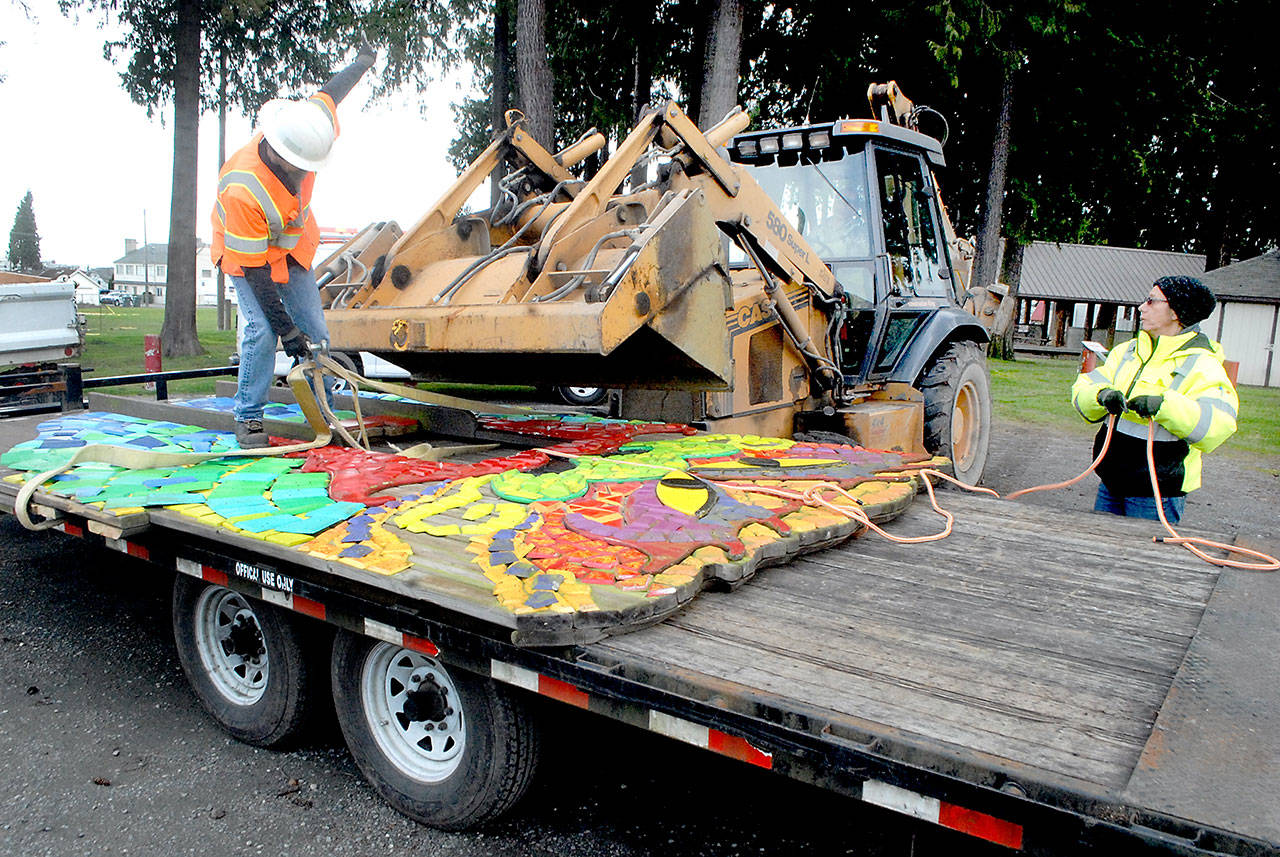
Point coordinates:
pixel 296 344
pixel 1111 399
pixel 1146 406
pixel 366 53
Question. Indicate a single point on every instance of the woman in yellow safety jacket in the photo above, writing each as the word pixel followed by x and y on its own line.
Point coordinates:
pixel 1172 374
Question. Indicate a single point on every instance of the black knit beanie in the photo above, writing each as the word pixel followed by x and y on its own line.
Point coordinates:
pixel 1190 299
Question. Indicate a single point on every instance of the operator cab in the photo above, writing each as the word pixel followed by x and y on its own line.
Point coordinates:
pixel 862 193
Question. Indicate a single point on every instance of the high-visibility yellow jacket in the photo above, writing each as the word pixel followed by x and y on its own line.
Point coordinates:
pixel 1198 413
pixel 257 220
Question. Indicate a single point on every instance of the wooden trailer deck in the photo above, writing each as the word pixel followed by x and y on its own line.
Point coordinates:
pixel 1040 651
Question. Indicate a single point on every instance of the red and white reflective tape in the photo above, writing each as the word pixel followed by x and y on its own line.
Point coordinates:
pixel 127 547
pixel 709 739
pixel 396 637
pixel 287 600
pixel 664 724
pixel 71 529
pixel 940 812
pixel 540 684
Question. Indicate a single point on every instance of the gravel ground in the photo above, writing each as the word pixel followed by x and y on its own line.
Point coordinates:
pixel 104 749
pixel 1240 494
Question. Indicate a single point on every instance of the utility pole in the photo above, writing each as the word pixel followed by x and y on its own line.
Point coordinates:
pixel 146 260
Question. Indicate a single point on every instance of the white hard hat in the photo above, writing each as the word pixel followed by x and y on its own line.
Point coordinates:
pixel 299 131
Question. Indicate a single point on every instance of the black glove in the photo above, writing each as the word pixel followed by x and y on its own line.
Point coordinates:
pixel 296 344
pixel 1146 406
pixel 1111 399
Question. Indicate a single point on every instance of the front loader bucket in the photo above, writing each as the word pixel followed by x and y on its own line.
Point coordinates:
pixel 570 284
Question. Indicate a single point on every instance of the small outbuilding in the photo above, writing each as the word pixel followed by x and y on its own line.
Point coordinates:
pixel 1068 293
pixel 1247 319
pixel 88 286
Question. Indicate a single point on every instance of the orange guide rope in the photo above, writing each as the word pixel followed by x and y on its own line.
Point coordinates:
pixel 1265 561
pixel 853 512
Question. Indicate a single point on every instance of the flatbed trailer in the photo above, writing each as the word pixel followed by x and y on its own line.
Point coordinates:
pixel 1044 680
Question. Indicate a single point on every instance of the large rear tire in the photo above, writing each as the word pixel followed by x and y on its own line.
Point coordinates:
pixel 957 409
pixel 246 662
pixel 444 747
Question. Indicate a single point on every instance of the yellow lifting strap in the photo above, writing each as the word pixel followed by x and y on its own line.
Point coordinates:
pixel 304 380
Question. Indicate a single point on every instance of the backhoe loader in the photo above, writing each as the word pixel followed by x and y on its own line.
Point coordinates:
pixel 786 282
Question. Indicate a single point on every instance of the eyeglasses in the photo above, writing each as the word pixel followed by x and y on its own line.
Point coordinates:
pixel 1155 301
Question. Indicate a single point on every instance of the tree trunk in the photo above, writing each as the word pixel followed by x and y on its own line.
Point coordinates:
pixel 498 98
pixel 1001 346
pixel 986 267
pixel 641 78
pixel 1214 229
pixel 178 334
pixel 533 72
pixel 224 311
pixel 719 91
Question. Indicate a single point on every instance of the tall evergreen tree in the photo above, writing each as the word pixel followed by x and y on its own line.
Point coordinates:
pixel 173 50
pixel 24 239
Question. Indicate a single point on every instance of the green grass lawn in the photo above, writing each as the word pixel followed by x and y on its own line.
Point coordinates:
pixel 113 346
pixel 1036 390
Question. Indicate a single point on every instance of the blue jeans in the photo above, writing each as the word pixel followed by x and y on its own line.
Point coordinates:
pixel 258 346
pixel 1139 507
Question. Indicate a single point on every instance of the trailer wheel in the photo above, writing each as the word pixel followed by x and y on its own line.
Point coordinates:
pixel 957 409
pixel 442 746
pixel 245 660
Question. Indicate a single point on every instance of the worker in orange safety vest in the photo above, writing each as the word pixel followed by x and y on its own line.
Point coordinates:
pixel 265 236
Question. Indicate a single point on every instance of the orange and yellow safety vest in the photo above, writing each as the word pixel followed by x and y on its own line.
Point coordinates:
pixel 257 221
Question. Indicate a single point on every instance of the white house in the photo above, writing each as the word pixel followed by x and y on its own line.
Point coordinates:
pixel 144 270
pixel 88 286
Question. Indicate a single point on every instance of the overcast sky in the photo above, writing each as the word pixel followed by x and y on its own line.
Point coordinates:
pixel 94 162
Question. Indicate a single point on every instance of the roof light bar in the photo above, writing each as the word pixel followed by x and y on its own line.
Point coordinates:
pixel 859 126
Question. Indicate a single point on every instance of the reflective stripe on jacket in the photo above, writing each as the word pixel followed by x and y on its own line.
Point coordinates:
pixel 257 221
pixel 1198 413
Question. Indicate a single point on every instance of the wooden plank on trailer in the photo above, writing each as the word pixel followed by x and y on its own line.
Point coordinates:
pixel 148 409
pixel 1053 646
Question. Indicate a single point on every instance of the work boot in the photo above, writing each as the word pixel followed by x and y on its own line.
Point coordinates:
pixel 251 436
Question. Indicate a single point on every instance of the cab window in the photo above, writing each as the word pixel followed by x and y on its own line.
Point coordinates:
pixel 910 227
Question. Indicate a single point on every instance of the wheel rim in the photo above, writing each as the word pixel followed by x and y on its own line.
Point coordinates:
pixel 229 640
pixel 413 711
pixel 965 426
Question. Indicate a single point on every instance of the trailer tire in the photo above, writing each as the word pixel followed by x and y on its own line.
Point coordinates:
pixel 957 409
pixel 246 662
pixel 386 697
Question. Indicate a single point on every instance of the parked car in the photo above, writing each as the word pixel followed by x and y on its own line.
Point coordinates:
pixel 117 299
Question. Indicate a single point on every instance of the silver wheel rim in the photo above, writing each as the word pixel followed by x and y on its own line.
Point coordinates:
pixel 413 712
pixel 232 650
pixel 584 392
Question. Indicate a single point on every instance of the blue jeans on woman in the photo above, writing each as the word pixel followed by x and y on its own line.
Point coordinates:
pixel 258 346
pixel 1139 507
